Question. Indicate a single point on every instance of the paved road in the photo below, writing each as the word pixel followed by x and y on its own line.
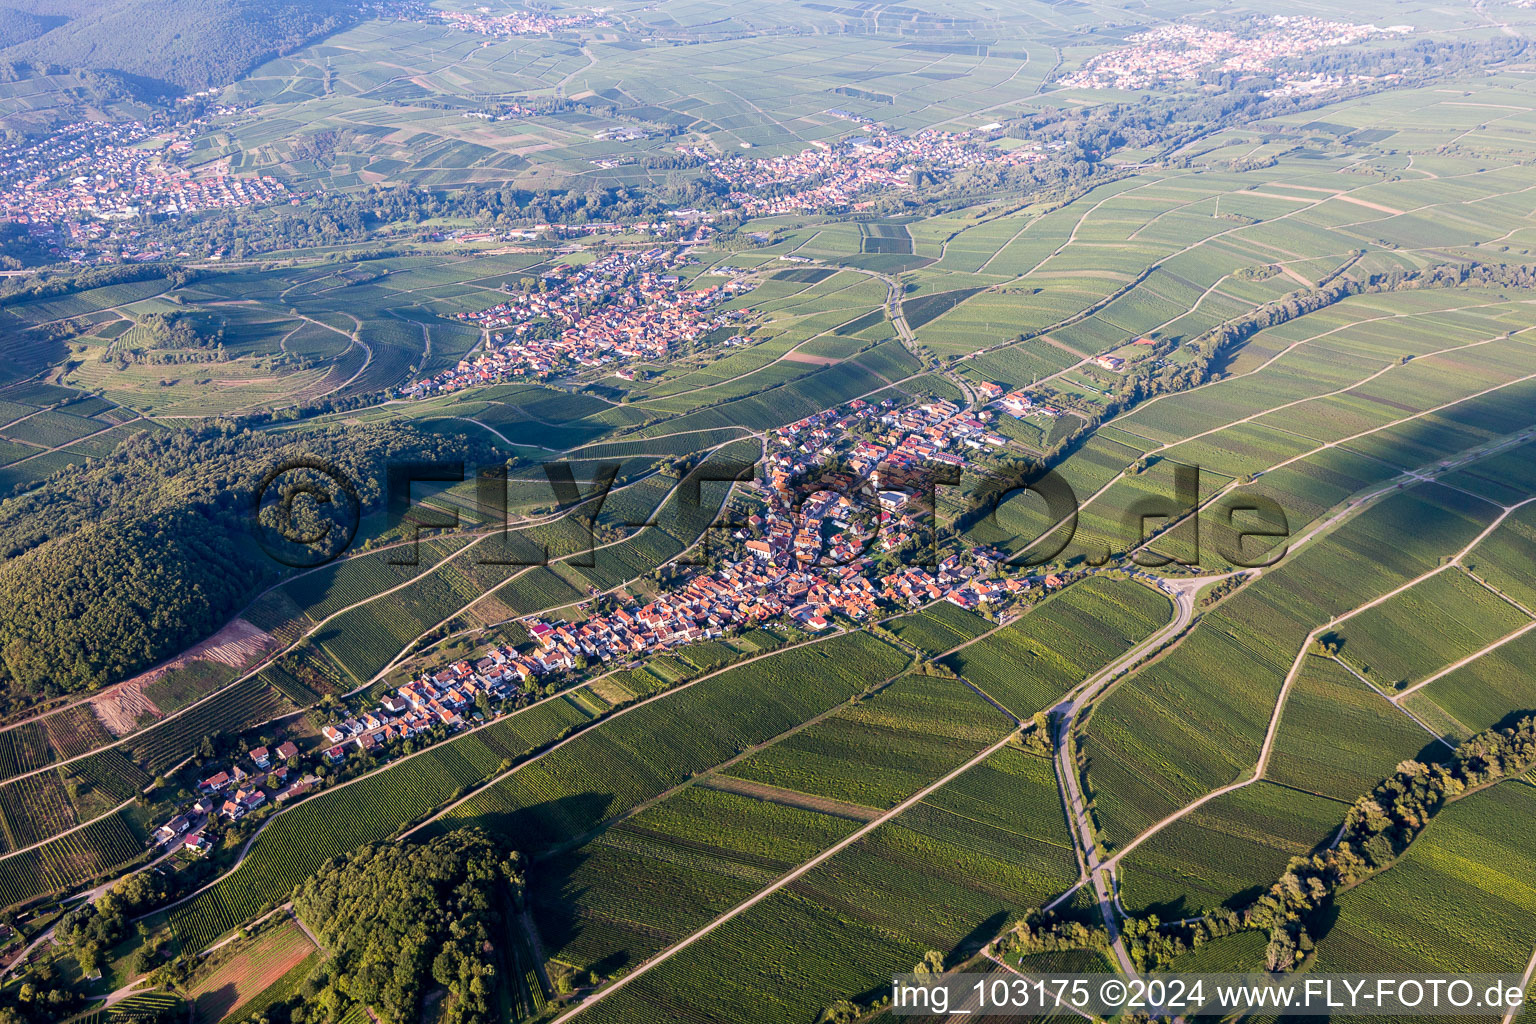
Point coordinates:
pixel 1065 714
pixel 1350 509
pixel 90 894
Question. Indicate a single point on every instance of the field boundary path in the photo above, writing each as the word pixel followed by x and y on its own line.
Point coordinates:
pixel 786 879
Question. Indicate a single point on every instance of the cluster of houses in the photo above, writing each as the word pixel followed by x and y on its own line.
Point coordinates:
pixel 779 570
pixel 439 699
pixel 773 583
pixel 936 432
pixel 516 23
pixel 1182 50
pixel 962 583
pixel 90 172
pixel 736 593
pixel 804 558
pixel 1017 403
pixel 622 307
pixel 832 175
pixel 679 226
pixel 230 794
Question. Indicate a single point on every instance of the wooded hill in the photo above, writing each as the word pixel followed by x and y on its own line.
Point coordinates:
pixel 166 46
pixel 115 565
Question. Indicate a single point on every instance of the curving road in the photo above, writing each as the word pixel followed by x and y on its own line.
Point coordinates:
pixel 1064 714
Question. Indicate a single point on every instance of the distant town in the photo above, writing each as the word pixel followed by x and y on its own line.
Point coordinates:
pixel 73 186
pixel 518 23
pixel 1182 51
pixel 832 175
pixel 620 308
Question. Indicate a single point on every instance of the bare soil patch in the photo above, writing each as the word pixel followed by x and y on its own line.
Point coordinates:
pixel 123 706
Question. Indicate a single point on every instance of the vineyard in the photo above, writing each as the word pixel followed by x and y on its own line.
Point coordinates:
pixel 243 705
pixel 1444 906
pixel 1449 615
pixel 33 808
pixel 1224 849
pixel 883 748
pixel 111 773
pixel 938 628
pixel 929 880
pixel 1211 698
pixel 655 746
pixel 1338 736
pixel 1481 693
pixel 1029 664
pixel 531 998
pixel 69 860
pixel 24 748
pixel 134 1009
pixel 663 873
pixel 74 731
pixel 246 975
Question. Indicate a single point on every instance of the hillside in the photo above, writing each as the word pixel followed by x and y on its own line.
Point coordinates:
pixel 17 26
pixel 167 45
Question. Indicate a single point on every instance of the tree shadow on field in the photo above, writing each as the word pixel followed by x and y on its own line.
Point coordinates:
pixel 555 900
pixel 536 829
pixel 1322 921
pixel 539 831
pixel 215 1004
pixel 978 937
pixel 1435 752
pixel 1513 719
pixel 1168 910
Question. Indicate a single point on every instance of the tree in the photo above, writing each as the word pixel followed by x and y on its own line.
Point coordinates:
pixel 1280 954
pixel 88 956
pixel 840 1012
pixel 1038 739
pixel 932 963
pixel 143 960
pixel 394 915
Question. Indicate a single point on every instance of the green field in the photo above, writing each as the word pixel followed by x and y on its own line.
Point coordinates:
pixel 1313 292
pixel 1469 874
pixel 938 628
pixel 650 880
pixel 950 872
pixel 1029 664
pixel 1225 852
pixel 1195 719
pixel 882 749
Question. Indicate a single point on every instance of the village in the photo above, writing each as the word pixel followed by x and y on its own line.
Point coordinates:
pixel 429 708
pixel 808 552
pixel 1182 51
pixel 837 531
pixel 71 187
pixel 820 541
pixel 516 23
pixel 620 308
pixel 262 777
pixel 831 175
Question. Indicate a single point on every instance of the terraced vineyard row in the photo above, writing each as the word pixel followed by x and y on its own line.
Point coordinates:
pixel 69 860
pixel 241 706
pixel 660 744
